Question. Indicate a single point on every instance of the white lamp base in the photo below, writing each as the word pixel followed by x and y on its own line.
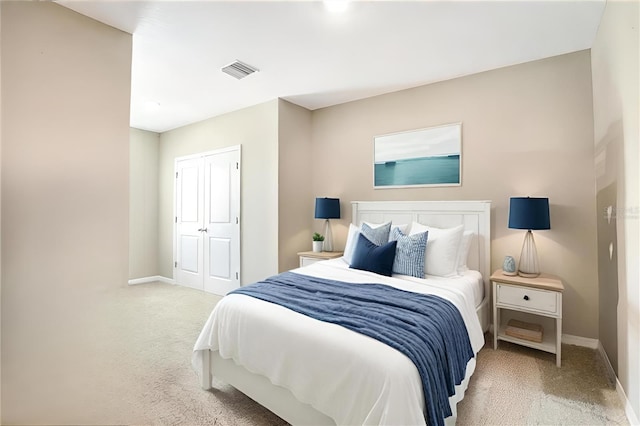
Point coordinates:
pixel 528 266
pixel 328 237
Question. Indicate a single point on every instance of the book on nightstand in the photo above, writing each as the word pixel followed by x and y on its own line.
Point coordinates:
pixel 524 330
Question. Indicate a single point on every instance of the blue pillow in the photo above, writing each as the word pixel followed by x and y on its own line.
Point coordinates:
pixel 370 257
pixel 377 236
pixel 409 253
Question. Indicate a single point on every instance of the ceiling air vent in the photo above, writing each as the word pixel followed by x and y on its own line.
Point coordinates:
pixel 239 69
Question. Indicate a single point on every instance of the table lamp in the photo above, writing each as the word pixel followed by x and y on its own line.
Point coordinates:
pixel 530 214
pixel 327 208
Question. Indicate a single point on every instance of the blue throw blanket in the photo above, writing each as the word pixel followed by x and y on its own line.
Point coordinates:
pixel 426 328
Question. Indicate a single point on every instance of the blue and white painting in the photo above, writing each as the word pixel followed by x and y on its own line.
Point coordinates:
pixel 426 157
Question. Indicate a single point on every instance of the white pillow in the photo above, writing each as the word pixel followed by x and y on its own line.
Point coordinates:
pixel 463 252
pixel 350 246
pixel 441 255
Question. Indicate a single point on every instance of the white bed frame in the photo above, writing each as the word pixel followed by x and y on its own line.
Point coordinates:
pixel 475 215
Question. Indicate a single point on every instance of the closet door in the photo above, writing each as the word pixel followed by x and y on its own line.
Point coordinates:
pixel 189 218
pixel 207 222
pixel 222 222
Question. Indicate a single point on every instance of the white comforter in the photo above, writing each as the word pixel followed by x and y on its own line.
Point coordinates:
pixel 351 378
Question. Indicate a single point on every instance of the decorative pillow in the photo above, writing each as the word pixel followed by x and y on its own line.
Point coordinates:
pixel 353 234
pixel 441 255
pixel 463 252
pixel 369 257
pixel 377 236
pixel 409 253
pixel 402 227
pixel 352 239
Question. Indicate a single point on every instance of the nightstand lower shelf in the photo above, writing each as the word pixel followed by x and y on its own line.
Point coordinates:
pixel 548 343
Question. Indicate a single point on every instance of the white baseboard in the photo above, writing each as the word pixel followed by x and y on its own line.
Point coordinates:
pixel 628 409
pixel 151 280
pixel 607 361
pixel 569 339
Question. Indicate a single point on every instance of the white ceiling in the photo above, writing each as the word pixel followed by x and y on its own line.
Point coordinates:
pixel 315 58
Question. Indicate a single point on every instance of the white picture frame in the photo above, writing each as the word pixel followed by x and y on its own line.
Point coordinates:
pixel 418 158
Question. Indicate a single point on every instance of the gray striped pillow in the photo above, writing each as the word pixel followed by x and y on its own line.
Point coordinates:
pixel 409 253
pixel 378 236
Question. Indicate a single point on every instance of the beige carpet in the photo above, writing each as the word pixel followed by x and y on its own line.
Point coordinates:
pixel 520 386
pixel 141 374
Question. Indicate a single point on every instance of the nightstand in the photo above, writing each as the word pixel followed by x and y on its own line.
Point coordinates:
pixel 309 257
pixel 534 300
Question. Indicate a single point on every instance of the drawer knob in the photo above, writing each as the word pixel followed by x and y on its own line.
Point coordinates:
pixel 526 297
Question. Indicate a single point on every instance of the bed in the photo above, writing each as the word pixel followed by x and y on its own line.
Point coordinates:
pixel 311 372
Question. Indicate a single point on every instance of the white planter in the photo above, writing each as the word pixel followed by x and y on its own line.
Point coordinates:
pixel 317 246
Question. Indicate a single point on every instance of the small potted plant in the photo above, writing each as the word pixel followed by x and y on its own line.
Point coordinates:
pixel 317 242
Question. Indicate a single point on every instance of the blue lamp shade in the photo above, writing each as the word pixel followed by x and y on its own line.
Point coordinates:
pixel 529 213
pixel 327 208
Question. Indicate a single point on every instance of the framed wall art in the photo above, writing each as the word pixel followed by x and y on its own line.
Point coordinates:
pixel 424 157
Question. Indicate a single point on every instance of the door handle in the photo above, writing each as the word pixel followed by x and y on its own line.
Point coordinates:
pixel 202 230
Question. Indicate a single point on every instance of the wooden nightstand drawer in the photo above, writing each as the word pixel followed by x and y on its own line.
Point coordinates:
pixel 306 261
pixel 528 298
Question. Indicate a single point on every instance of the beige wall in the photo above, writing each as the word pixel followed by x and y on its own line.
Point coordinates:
pixel 616 93
pixel 256 129
pixel 143 203
pixel 295 199
pixel 526 130
pixel 65 134
pixel 0 211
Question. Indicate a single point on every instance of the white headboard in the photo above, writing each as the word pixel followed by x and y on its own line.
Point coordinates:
pixel 474 215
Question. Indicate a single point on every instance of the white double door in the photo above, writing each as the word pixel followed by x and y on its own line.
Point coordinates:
pixel 207 221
